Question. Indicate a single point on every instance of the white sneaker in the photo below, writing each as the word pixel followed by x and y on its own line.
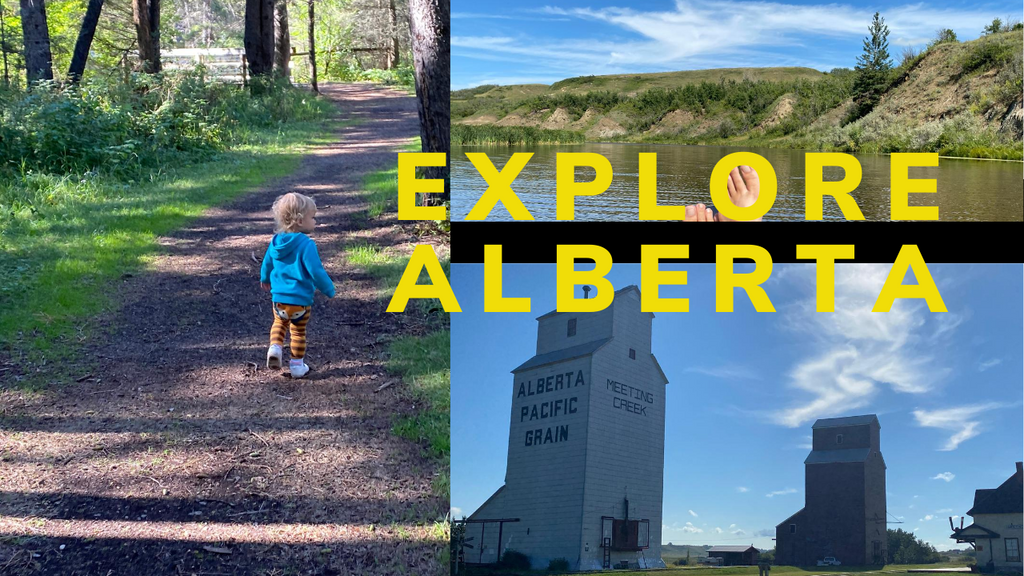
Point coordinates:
pixel 274 355
pixel 298 370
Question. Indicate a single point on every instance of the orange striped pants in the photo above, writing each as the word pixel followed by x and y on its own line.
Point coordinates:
pixel 294 317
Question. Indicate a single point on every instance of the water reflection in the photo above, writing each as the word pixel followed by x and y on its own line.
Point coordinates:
pixel 967 189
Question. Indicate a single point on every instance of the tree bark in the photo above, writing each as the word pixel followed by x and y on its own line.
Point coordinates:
pixel 282 40
pixel 394 60
pixel 149 48
pixel 154 35
pixel 259 36
pixel 430 26
pixel 85 35
pixel 3 44
pixel 38 59
pixel 312 46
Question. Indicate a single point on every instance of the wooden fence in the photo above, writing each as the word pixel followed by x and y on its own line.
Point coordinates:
pixel 224 64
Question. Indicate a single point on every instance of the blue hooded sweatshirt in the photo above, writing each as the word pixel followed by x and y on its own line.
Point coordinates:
pixel 293 269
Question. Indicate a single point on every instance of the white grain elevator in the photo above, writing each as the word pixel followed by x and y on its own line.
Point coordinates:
pixel 586 450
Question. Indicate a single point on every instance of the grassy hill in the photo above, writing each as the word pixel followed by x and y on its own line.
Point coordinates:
pixel 958 99
pixel 672 552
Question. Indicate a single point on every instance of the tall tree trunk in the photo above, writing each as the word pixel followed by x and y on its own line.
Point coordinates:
pixel 282 40
pixel 430 26
pixel 154 35
pixel 38 60
pixel 394 60
pixel 149 49
pixel 312 46
pixel 85 35
pixel 259 36
pixel 3 44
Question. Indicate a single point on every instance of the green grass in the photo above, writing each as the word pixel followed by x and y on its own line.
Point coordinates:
pixel 423 363
pixel 463 135
pixel 68 238
pixel 381 188
pixel 745 570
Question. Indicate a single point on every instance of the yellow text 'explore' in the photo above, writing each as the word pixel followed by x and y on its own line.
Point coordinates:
pixel 499 185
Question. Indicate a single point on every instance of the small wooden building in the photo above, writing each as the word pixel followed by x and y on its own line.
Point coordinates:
pixel 734 555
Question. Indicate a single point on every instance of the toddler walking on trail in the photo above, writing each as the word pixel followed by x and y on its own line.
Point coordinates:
pixel 292 271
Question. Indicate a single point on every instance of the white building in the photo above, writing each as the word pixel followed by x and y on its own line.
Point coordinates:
pixel 586 446
pixel 996 532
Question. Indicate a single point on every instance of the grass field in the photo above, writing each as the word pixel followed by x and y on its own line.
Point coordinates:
pixel 59 257
pixel 631 82
pixel 742 570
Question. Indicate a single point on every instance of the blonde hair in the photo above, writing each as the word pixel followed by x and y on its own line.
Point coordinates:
pixel 290 209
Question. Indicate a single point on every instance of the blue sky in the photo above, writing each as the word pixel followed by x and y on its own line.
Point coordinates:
pixel 543 41
pixel 947 389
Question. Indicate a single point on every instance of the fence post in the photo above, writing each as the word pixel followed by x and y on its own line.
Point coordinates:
pixel 245 66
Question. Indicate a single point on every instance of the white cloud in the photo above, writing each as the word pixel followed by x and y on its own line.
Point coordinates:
pixel 947 476
pixel 702 34
pixel 856 352
pixel 718 530
pixel 731 526
pixel 781 492
pixel 926 518
pixel 944 510
pixel 726 372
pixel 963 421
pixel 989 364
pixel 456 512
pixel 692 513
pixel 742 489
pixel 677 531
pixel 916 529
pixel 739 532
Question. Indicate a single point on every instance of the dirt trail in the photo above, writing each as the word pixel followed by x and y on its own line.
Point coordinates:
pixel 180 457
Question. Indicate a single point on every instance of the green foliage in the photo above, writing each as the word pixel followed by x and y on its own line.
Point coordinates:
pixel 994 28
pixel 872 68
pixel 106 126
pixel 579 81
pixel 463 135
pixel 558 565
pixel 987 53
pixel 466 93
pixel 1010 80
pixel 943 36
pixel 962 136
pixel 400 76
pixel 576 104
pixel 905 548
pixel 515 560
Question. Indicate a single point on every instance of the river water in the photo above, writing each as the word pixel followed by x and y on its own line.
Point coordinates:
pixel 968 190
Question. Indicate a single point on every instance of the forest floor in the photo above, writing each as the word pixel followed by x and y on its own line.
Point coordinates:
pixel 175 451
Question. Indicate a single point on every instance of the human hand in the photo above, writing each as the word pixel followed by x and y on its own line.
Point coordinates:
pixel 265 286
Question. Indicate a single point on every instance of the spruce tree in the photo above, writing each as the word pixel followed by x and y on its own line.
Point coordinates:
pixel 873 67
